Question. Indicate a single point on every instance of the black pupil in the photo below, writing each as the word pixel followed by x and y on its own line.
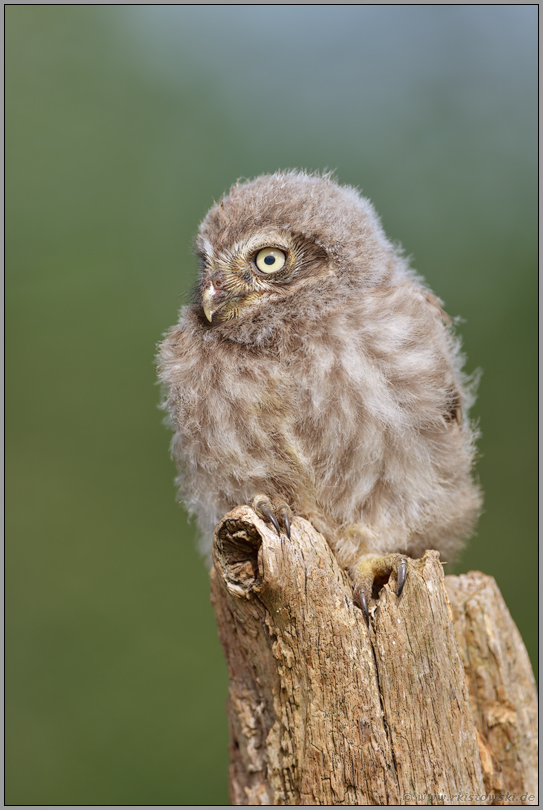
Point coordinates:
pixel 269 260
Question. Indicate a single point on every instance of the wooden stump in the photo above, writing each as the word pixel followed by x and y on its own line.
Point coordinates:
pixel 429 705
pixel 501 685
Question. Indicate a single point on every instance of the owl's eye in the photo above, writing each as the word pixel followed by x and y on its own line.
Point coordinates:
pixel 270 260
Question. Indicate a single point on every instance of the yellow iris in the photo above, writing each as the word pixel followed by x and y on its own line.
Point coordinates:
pixel 270 260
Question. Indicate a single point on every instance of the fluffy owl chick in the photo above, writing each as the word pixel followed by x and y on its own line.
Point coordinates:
pixel 315 375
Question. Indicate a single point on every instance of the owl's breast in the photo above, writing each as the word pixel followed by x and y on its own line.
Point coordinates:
pixel 304 423
pixel 236 416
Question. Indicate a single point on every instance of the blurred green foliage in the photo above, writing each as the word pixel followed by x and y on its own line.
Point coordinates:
pixel 124 123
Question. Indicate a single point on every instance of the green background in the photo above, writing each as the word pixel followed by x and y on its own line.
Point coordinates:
pixel 124 123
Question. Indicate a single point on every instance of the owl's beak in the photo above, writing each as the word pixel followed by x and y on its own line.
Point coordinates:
pixel 213 299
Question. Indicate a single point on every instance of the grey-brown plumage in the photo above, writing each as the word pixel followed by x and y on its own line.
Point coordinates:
pixel 315 371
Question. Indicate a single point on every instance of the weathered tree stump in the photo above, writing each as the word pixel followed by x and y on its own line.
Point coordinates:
pixel 434 703
pixel 501 685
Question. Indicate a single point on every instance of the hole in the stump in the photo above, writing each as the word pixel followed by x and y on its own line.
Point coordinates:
pixel 238 546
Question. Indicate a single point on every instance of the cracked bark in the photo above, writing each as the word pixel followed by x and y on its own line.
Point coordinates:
pixel 434 703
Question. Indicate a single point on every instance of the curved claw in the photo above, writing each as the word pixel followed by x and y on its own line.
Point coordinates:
pixel 402 575
pixel 286 522
pixel 268 513
pixel 363 602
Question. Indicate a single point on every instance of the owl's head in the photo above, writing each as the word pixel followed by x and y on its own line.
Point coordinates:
pixel 274 239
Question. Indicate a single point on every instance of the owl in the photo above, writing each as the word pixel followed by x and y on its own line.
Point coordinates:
pixel 315 375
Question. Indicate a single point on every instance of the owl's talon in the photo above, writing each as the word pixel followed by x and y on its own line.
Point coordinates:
pixel 402 575
pixel 362 602
pixel 286 522
pixel 371 572
pixel 268 513
pixel 283 515
pixel 277 513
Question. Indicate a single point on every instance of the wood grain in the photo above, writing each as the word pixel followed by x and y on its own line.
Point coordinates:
pixel 323 709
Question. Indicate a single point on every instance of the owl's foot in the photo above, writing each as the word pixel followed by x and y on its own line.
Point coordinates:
pixel 277 512
pixel 371 572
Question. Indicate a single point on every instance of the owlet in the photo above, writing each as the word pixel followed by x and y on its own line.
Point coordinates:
pixel 314 374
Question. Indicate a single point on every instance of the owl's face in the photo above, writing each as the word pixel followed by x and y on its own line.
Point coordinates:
pixel 256 270
pixel 284 234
